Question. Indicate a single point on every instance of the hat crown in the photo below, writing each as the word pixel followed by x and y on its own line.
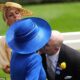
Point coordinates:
pixel 28 35
pixel 26 30
pixel 13 4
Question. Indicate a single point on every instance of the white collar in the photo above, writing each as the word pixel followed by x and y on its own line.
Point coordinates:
pixel 54 57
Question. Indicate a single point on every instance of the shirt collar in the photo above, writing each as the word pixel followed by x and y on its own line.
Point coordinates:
pixel 53 57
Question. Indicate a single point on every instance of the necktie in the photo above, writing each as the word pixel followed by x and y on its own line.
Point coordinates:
pixel 50 70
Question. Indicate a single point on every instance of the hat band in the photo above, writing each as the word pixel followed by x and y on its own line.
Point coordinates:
pixel 27 36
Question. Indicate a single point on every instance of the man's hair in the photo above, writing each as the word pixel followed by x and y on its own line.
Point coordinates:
pixel 57 37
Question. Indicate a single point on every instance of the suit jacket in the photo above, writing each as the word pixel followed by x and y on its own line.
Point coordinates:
pixel 71 58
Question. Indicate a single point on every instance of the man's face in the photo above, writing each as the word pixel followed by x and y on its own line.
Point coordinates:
pixel 51 47
pixel 12 15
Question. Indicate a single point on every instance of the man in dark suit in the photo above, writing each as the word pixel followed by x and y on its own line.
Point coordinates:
pixel 62 62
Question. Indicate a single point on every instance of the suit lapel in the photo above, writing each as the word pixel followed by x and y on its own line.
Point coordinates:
pixel 60 72
pixel 64 57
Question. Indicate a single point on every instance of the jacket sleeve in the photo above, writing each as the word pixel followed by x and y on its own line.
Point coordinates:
pixel 35 71
pixel 5 53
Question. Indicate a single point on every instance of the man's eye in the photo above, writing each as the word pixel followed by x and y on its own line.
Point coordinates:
pixel 9 15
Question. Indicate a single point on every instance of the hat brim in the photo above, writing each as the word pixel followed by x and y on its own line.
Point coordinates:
pixel 24 12
pixel 34 44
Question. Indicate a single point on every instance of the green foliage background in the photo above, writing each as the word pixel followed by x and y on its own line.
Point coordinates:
pixel 64 17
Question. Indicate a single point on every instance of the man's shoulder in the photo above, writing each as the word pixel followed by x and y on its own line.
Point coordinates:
pixel 70 52
pixel 69 49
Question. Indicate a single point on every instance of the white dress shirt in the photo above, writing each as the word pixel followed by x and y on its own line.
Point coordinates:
pixel 52 60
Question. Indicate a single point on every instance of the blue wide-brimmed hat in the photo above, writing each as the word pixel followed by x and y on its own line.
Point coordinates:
pixel 28 35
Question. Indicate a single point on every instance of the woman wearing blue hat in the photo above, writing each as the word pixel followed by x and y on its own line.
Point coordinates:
pixel 25 37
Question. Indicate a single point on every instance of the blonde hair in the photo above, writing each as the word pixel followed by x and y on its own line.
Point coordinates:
pixel 24 12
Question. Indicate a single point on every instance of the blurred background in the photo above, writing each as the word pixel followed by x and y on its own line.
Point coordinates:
pixel 62 15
